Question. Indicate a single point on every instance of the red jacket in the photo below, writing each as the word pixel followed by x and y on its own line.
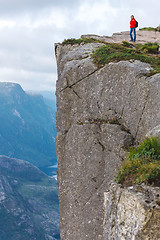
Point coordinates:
pixel 133 23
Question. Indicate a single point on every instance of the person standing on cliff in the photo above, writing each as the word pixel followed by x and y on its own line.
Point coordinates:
pixel 133 28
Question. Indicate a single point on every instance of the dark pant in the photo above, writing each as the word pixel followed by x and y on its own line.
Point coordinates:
pixel 134 32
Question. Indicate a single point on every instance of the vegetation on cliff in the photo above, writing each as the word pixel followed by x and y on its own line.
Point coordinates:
pixel 142 164
pixel 157 29
pixel 114 52
pixel 73 41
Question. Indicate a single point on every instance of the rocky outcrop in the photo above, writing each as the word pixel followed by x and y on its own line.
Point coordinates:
pixel 99 113
pixel 142 37
pixel 132 213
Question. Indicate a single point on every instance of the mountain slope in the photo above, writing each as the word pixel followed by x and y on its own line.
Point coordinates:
pixel 28 202
pixel 27 128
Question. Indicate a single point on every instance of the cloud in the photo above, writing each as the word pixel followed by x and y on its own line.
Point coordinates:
pixel 29 80
pixel 10 8
pixel 145 11
pixel 29 52
pixel 29 29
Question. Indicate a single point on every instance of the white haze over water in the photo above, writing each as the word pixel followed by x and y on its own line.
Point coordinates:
pixel 29 28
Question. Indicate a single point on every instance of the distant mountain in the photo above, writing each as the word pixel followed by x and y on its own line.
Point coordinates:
pixel 28 202
pixel 27 126
pixel 49 98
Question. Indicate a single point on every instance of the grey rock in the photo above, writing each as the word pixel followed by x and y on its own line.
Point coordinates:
pixel 154 132
pixel 132 213
pixel 99 113
pixel 86 166
pixel 142 37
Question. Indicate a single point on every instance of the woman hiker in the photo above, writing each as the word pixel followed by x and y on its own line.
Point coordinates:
pixel 133 28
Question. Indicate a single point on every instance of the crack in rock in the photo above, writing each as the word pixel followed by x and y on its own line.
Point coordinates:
pixel 140 119
pixel 75 93
pixel 81 79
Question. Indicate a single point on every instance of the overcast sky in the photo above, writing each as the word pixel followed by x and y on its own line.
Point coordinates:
pixel 29 28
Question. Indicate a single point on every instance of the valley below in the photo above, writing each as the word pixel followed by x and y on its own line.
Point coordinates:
pixel 29 205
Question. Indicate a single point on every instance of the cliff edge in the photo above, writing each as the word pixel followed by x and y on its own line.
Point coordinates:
pixel 100 112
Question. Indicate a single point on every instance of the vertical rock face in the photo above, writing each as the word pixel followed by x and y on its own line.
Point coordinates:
pixel 99 112
pixel 132 213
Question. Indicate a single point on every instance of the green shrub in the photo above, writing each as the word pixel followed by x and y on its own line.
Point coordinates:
pixel 152 48
pixel 142 165
pixel 73 41
pixel 114 52
pixel 127 44
pixel 150 29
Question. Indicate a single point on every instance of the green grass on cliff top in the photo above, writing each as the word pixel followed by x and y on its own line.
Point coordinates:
pixel 114 52
pixel 73 41
pixel 142 164
pixel 157 29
